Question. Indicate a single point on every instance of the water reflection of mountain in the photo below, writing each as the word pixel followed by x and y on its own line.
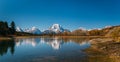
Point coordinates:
pixel 54 42
pixel 7 45
pixel 31 41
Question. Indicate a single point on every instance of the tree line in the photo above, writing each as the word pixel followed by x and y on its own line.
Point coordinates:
pixel 7 29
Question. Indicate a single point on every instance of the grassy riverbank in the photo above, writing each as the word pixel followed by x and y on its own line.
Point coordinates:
pixel 104 47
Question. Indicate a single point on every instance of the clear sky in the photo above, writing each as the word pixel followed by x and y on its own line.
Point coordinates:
pixel 71 14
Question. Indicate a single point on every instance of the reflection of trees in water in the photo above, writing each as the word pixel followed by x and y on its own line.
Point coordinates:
pixel 7 45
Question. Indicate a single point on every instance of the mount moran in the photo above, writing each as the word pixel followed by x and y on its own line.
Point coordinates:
pixel 55 28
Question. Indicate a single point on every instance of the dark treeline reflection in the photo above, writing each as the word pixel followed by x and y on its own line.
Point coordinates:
pixel 7 45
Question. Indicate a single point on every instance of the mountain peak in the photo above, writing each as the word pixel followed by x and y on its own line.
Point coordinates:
pixel 33 28
pixel 57 24
pixel 18 29
pixel 56 28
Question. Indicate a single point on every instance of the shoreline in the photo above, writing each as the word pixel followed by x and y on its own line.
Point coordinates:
pixel 12 37
pixel 60 36
pixel 7 38
pixel 106 47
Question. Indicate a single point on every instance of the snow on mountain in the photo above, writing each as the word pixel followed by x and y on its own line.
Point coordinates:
pixel 27 30
pixel 18 29
pixel 33 30
pixel 56 28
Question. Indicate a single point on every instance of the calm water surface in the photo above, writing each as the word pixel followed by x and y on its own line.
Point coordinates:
pixel 44 50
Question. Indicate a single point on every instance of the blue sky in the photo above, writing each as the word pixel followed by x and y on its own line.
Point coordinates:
pixel 71 14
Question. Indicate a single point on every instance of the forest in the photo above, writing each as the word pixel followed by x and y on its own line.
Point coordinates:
pixel 7 29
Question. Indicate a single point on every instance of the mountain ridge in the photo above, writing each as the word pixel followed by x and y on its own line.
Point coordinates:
pixel 58 29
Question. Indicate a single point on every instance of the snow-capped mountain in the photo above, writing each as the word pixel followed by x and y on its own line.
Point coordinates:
pixel 33 30
pixel 18 29
pixel 55 28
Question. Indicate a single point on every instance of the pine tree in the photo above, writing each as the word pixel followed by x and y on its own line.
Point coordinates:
pixel 6 28
pixel 12 27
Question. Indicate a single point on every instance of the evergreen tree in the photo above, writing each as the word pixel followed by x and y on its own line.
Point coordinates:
pixel 5 30
pixel 12 27
pixel 6 25
pixel 2 28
